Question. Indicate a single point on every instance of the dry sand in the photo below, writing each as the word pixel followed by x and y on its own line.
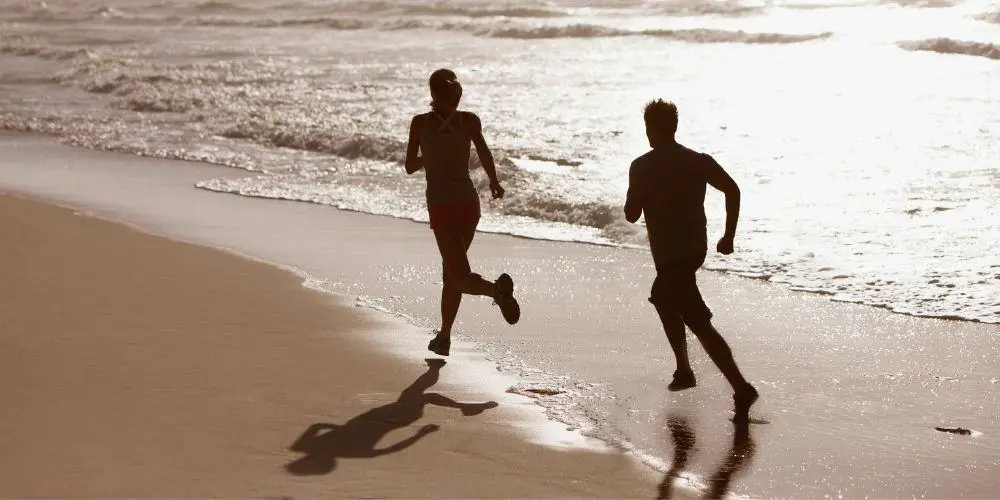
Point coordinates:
pixel 137 366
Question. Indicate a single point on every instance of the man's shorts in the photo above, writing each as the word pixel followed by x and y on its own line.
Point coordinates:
pixel 675 289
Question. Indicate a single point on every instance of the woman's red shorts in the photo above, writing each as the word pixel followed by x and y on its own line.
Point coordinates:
pixel 456 214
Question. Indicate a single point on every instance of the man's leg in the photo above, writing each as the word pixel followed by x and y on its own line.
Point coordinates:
pixel 744 394
pixel 698 318
pixel 718 349
pixel 673 326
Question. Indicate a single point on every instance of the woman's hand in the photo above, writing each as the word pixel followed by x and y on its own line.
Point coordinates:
pixel 414 164
pixel 496 189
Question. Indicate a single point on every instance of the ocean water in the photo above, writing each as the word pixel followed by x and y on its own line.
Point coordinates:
pixel 868 152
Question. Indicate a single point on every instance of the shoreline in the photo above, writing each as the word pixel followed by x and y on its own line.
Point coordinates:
pixel 225 382
pixel 237 172
pixel 756 317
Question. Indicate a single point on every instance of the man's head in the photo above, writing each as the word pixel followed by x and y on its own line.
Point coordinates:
pixel 661 122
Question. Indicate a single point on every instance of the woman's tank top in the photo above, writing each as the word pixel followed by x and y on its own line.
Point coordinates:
pixel 446 149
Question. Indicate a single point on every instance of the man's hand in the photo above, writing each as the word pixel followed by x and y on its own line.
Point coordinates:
pixel 725 246
pixel 496 189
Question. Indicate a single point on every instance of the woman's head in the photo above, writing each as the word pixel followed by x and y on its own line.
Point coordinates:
pixel 446 92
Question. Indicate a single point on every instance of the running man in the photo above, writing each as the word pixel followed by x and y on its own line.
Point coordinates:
pixel 668 185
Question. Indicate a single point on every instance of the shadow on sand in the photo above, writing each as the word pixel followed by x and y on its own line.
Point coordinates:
pixel 324 443
pixel 683 438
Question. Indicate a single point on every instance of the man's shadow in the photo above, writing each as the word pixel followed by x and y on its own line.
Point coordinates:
pixel 324 443
pixel 740 454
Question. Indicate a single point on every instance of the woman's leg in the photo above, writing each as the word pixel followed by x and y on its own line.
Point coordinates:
pixel 451 296
pixel 453 243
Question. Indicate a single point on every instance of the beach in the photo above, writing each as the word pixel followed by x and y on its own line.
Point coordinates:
pixel 135 366
pixel 219 280
pixel 851 394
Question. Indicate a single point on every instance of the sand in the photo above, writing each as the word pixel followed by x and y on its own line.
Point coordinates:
pixel 136 366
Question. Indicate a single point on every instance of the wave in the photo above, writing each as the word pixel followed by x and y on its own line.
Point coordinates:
pixel 559 162
pixel 990 17
pixel 523 200
pixel 716 8
pixel 41 12
pixel 921 4
pixel 472 12
pixel 317 140
pixel 951 46
pixel 695 35
pixel 278 133
pixel 724 36
pixel 219 5
pixel 540 207
pixel 502 29
pixel 541 32
pixel 323 22
pixel 17 45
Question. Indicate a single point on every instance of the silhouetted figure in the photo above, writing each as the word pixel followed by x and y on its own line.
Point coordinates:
pixel 668 184
pixel 444 136
pixel 683 438
pixel 324 443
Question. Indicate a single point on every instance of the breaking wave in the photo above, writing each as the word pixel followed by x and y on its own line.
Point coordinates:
pixel 951 46
pixel 696 35
pixel 444 9
pixel 990 17
pixel 219 6
pixel 717 8
pixel 28 47
pixel 317 140
pixel 921 4
pixel 320 22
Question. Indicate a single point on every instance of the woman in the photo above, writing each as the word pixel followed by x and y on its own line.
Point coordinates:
pixel 444 136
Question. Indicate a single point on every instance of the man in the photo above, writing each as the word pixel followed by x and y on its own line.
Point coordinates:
pixel 668 184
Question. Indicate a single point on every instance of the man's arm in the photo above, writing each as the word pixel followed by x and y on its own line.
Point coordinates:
pixel 720 179
pixel 414 162
pixel 633 199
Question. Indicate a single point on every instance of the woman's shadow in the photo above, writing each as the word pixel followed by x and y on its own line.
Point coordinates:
pixel 740 454
pixel 324 443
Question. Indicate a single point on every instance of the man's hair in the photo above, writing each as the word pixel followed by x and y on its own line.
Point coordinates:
pixel 661 115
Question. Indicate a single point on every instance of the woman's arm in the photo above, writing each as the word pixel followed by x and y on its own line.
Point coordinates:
pixel 475 131
pixel 414 162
